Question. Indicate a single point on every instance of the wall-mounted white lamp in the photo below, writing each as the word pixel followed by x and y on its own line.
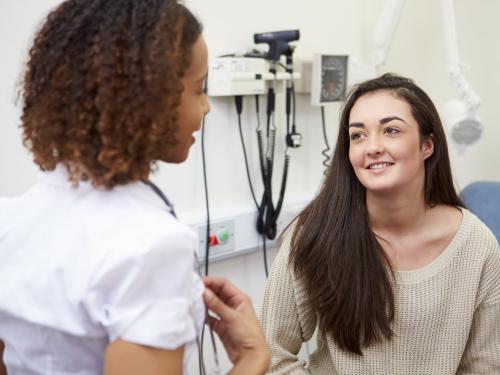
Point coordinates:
pixel 460 116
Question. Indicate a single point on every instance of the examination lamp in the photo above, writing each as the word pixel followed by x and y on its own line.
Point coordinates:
pixel 459 116
pixel 385 31
pixel 463 124
pixel 278 42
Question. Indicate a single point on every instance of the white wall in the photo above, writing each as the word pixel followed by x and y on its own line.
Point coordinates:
pixel 330 26
pixel 419 51
pixel 18 20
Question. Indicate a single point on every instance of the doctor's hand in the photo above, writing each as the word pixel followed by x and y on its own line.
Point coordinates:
pixel 237 326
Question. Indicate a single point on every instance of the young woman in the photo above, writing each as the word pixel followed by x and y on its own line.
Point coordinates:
pixel 398 277
pixel 99 275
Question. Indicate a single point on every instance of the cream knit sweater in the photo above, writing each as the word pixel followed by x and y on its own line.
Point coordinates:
pixel 447 316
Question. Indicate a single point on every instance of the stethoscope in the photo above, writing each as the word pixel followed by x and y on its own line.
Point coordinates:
pixel 199 339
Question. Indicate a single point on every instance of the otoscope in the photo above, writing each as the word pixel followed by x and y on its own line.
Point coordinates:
pixel 293 139
pixel 278 44
pixel 268 214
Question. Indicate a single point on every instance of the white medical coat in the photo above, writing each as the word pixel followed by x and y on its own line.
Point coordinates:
pixel 82 267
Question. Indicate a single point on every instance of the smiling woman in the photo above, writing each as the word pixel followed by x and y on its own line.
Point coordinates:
pixel 375 260
pixel 386 150
pixel 193 104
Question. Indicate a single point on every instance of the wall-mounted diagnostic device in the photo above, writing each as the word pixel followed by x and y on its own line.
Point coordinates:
pixel 329 79
pixel 230 76
pixel 258 74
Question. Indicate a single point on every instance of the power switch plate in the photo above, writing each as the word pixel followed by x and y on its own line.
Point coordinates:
pixel 221 237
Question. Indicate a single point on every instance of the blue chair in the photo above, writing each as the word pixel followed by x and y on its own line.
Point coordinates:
pixel 483 199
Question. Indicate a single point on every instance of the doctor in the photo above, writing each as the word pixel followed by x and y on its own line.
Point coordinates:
pixel 101 275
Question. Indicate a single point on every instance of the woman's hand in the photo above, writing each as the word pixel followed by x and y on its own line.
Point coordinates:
pixel 237 326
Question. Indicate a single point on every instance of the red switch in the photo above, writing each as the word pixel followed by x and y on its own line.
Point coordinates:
pixel 213 240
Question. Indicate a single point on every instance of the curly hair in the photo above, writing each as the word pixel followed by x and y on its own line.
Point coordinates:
pixel 102 86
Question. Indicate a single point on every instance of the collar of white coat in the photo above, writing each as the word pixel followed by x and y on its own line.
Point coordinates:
pixel 59 177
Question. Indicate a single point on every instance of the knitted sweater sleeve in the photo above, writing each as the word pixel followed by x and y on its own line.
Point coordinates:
pixel 482 354
pixel 285 317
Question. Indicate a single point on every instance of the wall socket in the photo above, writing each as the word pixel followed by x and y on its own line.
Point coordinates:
pixel 238 223
pixel 221 238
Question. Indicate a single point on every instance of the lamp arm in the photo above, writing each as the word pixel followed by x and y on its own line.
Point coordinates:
pixel 471 99
pixel 456 70
pixel 385 30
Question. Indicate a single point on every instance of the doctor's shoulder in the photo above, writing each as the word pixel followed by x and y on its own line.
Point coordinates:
pixel 137 223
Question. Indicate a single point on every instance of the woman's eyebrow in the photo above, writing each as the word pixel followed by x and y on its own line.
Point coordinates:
pixel 385 120
pixel 356 125
pixel 382 121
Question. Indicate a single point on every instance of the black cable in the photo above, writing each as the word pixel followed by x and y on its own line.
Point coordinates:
pixel 200 353
pixel 288 98
pixel 293 107
pixel 238 100
pixel 264 253
pixel 283 186
pixel 268 215
pixel 266 222
pixel 238 109
pixel 288 105
pixel 271 97
pixel 207 205
pixel 325 152
pixel 207 244
pixel 266 208
pixel 260 140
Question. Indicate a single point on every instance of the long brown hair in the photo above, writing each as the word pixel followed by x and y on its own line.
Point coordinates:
pixel 334 251
pixel 103 84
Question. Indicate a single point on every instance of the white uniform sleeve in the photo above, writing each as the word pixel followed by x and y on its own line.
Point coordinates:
pixel 146 296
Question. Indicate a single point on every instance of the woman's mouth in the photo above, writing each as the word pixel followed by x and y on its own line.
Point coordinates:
pixel 379 165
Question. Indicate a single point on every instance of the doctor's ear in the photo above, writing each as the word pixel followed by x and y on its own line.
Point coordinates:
pixel 428 145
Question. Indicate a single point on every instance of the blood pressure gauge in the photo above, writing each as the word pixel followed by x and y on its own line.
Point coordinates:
pixel 329 79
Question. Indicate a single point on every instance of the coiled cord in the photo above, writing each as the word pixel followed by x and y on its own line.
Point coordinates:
pixel 326 151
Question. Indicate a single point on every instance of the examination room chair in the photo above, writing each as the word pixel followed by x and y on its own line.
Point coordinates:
pixel 483 199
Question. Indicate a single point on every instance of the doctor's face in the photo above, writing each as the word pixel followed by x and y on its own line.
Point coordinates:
pixel 193 103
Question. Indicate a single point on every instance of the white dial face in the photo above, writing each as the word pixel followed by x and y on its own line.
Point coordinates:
pixel 333 78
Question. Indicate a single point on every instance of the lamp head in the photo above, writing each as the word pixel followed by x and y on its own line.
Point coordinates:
pixel 463 124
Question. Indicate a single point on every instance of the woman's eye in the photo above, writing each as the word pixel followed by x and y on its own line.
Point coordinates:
pixel 391 130
pixel 355 136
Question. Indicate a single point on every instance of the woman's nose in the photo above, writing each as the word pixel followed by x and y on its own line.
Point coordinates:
pixel 375 145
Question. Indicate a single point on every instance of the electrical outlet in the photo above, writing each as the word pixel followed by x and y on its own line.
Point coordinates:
pixel 238 219
pixel 221 237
